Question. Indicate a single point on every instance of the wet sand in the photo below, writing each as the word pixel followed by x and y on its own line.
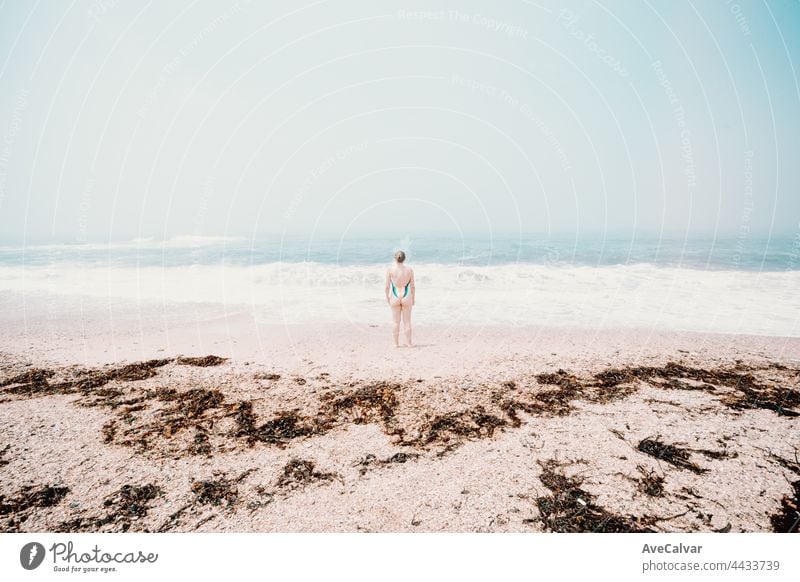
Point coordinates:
pixel 107 423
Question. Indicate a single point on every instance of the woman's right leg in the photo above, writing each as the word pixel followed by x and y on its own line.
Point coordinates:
pixel 396 324
pixel 407 323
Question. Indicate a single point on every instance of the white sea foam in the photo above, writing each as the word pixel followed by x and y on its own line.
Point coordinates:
pixel 175 242
pixel 609 296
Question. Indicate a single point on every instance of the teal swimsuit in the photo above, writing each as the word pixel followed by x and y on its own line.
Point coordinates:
pixel 394 289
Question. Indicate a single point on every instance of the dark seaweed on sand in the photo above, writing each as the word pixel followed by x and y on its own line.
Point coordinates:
pixel 472 423
pixel 128 373
pixel 128 504
pixel 787 519
pixel 36 382
pixel 748 391
pixel 372 403
pixel 298 473
pixel 650 483
pixel 281 429
pixel 378 399
pixel 184 410
pixel 17 508
pixel 187 407
pixel 202 362
pixel 371 460
pixel 570 509
pixel 32 496
pixel 34 376
pixel 216 492
pixel 672 454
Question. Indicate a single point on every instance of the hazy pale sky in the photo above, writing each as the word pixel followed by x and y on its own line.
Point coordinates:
pixel 122 119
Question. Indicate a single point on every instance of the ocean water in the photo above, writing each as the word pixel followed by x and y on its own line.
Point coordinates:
pixel 709 285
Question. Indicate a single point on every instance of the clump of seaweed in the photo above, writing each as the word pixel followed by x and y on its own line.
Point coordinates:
pixel 128 504
pixel 370 403
pixel 187 407
pixel 371 460
pixel 787 518
pixel 185 410
pixel 128 373
pixel 202 362
pixel 30 497
pixel 36 383
pixel 650 483
pixel 280 430
pixel 131 501
pixel 32 383
pixel 607 386
pixel 672 454
pixel 615 376
pixel 200 444
pixel 748 391
pixel 472 423
pixel 570 509
pixel 267 376
pixel 216 492
pixel 3 451
pixel 560 378
pixel 33 376
pixel 299 473
pixel 109 431
pixel 510 407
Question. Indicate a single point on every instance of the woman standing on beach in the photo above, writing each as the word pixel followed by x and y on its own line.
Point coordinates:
pixel 400 294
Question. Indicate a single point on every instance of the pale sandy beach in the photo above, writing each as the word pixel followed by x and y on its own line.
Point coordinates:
pixel 103 427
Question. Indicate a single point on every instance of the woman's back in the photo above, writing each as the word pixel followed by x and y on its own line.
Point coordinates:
pixel 400 274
